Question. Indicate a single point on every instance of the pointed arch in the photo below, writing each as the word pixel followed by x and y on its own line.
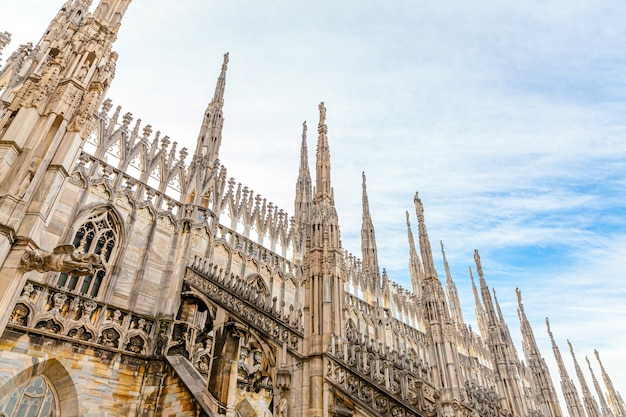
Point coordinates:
pixel 259 289
pixel 21 314
pixel 109 336
pixel 56 378
pixel 52 325
pixel 147 212
pixel 135 342
pixel 82 331
pixel 98 230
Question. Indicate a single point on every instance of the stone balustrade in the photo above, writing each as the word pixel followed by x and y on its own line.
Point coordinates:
pixel 65 315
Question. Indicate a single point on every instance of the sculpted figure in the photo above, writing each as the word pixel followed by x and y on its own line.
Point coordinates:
pixel 64 258
pixel 281 407
pixel 28 178
pixel 84 69
pixel 322 110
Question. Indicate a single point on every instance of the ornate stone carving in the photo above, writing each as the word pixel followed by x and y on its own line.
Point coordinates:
pixel 64 258
pixel 19 315
pixel 231 295
pixel 80 333
pixel 135 344
pixel 485 401
pixel 109 337
pixel 88 307
pixel 282 407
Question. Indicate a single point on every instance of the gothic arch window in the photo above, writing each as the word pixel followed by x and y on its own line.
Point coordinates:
pixel 100 234
pixel 35 398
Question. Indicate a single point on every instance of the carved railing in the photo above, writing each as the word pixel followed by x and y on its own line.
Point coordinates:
pixel 485 401
pixel 255 309
pixel 376 313
pixel 153 166
pixel 254 250
pixel 135 150
pixel 367 358
pixel 65 315
pixel 112 184
pixel 391 384
pixel 380 384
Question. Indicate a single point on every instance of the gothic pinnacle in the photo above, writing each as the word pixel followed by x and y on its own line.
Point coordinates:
pixel 481 316
pixel 495 299
pixel 606 410
pixel 484 290
pixel 454 302
pixel 366 206
pixel 415 264
pixel 427 254
pixel 368 243
pixel 304 174
pixel 218 96
pixel 615 400
pixel 589 402
pixel 572 400
pixel 322 178
pixel 546 394
pixel 303 184
pixel 210 136
pixel 304 155
pixel 446 267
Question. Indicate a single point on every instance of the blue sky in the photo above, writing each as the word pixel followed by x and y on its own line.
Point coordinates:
pixel 507 117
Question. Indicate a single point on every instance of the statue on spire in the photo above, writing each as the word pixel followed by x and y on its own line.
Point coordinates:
pixel 322 109
pixel 419 207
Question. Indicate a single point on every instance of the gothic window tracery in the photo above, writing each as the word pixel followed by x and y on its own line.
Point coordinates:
pixel 99 234
pixel 35 398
